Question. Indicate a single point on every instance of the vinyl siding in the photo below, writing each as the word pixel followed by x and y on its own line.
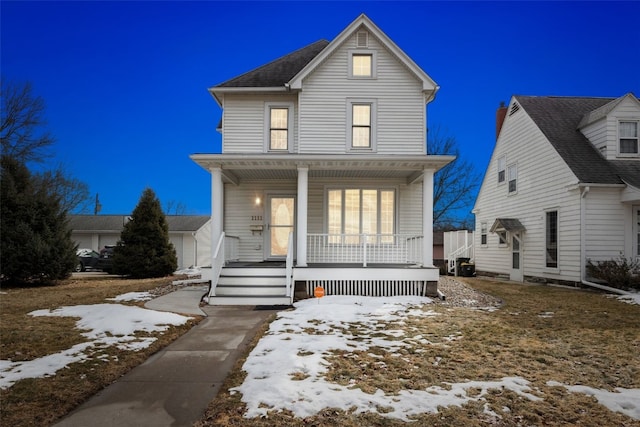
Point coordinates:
pixel 244 122
pixel 240 208
pixel 605 224
pixel 400 112
pixel 544 183
pixel 603 133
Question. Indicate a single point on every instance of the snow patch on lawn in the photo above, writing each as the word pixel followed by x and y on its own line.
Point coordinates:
pixel 104 325
pixel 286 370
pixel 626 401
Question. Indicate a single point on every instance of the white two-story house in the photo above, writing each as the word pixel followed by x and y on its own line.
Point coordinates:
pixel 562 188
pixel 324 179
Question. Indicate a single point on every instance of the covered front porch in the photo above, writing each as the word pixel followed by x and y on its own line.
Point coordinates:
pixel 355 226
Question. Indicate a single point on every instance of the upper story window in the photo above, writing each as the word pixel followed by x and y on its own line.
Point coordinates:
pixel 361 126
pixel 278 126
pixel 628 138
pixel 512 173
pixel 278 129
pixel 361 122
pixel 362 64
pixel 502 166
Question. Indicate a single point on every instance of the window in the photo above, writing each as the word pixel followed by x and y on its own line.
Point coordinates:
pixel 552 239
pixel 362 64
pixel 356 211
pixel 502 238
pixel 512 173
pixel 278 126
pixel 628 135
pixel 483 233
pixel 278 129
pixel 502 162
pixel 361 126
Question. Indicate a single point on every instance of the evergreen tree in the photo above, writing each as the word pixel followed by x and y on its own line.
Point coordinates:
pixel 144 249
pixel 36 245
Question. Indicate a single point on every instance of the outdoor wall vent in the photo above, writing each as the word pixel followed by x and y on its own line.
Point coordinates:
pixel 362 39
pixel 514 109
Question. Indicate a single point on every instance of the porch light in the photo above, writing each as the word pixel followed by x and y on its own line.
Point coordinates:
pixel 258 201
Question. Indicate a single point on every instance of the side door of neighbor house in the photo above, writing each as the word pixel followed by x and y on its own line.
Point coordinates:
pixel 516 256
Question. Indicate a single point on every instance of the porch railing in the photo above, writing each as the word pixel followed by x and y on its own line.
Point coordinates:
pixel 364 248
pixel 231 248
pixel 219 259
pixel 289 267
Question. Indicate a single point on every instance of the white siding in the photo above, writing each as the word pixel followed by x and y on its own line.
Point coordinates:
pixel 603 133
pixel 544 183
pixel 605 224
pixel 240 208
pixel 400 125
pixel 244 122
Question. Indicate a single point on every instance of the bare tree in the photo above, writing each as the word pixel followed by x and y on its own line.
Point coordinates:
pixel 24 138
pixel 21 131
pixel 454 185
pixel 73 194
pixel 175 208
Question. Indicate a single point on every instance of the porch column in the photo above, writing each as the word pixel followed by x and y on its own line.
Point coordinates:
pixel 303 194
pixel 217 207
pixel 427 219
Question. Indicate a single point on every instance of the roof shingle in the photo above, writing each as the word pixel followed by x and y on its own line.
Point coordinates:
pixel 558 118
pixel 277 72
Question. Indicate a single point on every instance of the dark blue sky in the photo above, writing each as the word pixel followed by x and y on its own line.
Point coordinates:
pixel 126 82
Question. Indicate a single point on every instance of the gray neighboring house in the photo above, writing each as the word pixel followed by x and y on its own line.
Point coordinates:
pixel 190 235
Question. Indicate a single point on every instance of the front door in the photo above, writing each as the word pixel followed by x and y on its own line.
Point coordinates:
pixel 280 223
pixel 516 257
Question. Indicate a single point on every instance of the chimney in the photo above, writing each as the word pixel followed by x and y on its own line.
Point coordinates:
pixel 500 115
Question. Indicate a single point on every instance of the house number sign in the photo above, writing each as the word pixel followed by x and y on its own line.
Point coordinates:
pixel 256 218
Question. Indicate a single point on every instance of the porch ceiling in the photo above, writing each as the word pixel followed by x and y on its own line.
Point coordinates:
pixel 238 167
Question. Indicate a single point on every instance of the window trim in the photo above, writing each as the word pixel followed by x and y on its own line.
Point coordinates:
pixel 557 239
pixel 373 124
pixel 268 106
pixel 502 167
pixel 512 166
pixel 619 138
pixel 503 242
pixel 374 64
pixel 483 234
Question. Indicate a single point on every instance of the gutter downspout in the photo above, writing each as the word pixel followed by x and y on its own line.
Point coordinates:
pixel 584 190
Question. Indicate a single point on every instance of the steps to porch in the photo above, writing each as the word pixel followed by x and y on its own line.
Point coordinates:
pixel 251 286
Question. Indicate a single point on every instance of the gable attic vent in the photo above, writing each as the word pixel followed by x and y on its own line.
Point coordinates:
pixel 514 109
pixel 362 39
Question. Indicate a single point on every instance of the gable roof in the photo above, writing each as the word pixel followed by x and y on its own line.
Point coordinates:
pixel 363 21
pixel 558 118
pixel 289 70
pixel 107 223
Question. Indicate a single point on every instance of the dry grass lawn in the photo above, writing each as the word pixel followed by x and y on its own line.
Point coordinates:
pixel 540 333
pixel 41 401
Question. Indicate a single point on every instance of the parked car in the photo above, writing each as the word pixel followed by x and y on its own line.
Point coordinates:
pixel 105 261
pixel 87 259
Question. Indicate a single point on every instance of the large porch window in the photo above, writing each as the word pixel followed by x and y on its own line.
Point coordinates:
pixel 353 212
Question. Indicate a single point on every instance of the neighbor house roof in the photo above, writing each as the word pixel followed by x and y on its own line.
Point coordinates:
pixel 106 223
pixel 559 118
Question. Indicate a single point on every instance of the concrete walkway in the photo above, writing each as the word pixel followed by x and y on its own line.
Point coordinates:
pixel 174 387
